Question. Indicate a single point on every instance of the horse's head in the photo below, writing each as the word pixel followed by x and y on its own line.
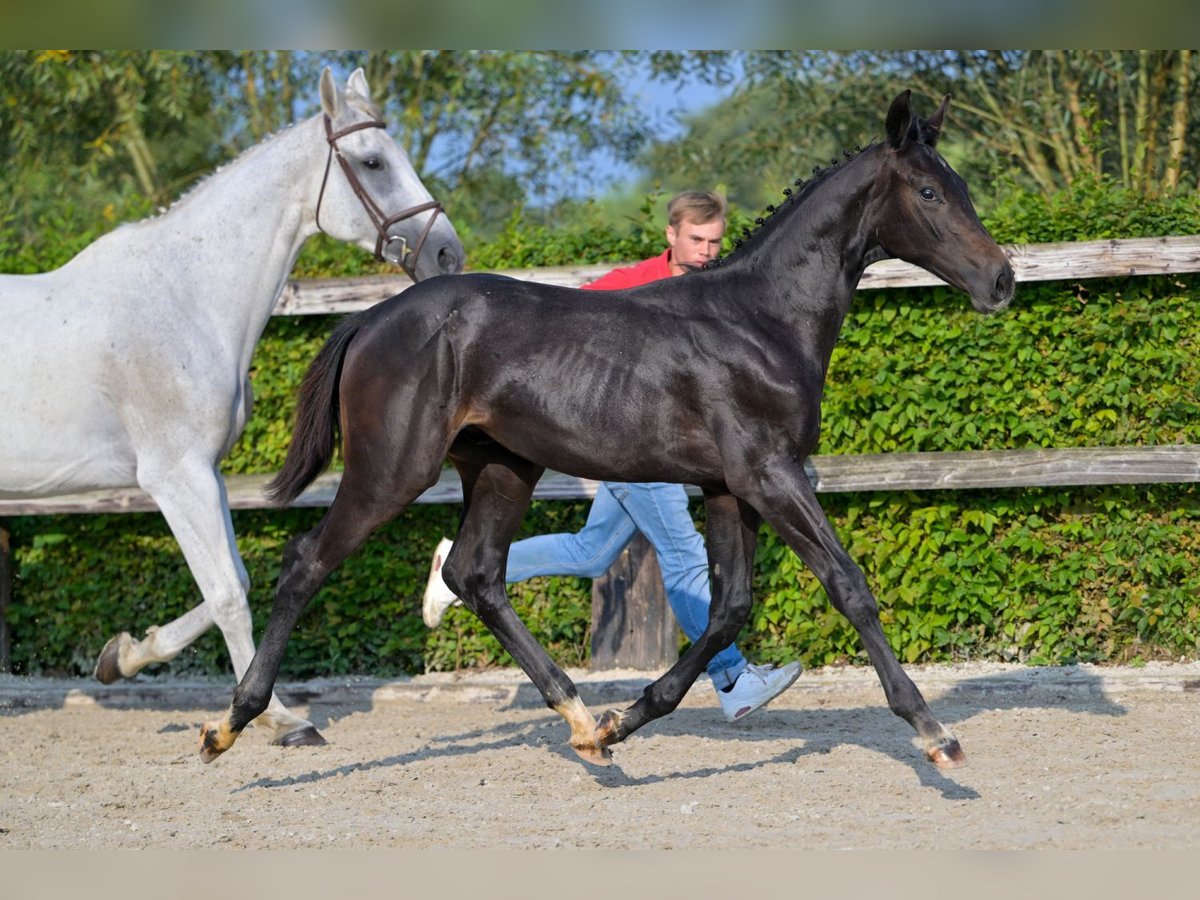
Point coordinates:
pixel 373 197
pixel 926 214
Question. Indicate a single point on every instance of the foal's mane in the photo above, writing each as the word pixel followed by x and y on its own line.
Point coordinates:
pixel 793 196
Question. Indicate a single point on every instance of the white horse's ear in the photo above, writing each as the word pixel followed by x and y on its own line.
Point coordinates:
pixel 358 84
pixel 329 94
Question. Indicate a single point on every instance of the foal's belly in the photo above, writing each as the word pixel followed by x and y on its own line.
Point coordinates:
pixel 641 453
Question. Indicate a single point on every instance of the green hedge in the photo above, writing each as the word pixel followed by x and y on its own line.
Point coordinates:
pixel 1094 574
pixel 1097 574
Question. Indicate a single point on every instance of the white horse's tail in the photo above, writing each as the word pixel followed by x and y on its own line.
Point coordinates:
pixel 316 432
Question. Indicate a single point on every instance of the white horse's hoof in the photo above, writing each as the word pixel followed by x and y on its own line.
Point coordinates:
pixel 108 666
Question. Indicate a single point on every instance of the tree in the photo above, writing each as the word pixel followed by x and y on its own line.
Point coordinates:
pixel 526 121
pixel 1044 119
pixel 88 139
pixel 106 116
pixel 1061 115
pixel 515 125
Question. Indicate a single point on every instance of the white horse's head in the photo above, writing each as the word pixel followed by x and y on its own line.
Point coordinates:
pixel 373 196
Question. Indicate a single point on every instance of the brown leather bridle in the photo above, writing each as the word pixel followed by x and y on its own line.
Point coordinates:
pixel 407 256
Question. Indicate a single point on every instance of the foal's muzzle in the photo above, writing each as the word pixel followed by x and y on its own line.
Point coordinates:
pixel 1003 287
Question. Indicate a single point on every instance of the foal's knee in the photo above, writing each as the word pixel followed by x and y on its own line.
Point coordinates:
pixel 851 596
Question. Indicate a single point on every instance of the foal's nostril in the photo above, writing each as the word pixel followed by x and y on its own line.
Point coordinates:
pixel 1005 284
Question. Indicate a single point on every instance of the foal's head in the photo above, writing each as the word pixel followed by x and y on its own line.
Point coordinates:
pixel 927 217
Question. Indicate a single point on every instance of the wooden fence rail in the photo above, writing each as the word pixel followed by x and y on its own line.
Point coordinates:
pixel 1031 262
pixel 872 472
pixel 919 471
pixel 1062 467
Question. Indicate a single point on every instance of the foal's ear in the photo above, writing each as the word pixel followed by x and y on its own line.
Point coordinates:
pixel 931 128
pixel 358 84
pixel 899 118
pixel 329 94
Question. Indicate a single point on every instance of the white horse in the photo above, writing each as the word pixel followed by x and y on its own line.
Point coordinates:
pixel 129 364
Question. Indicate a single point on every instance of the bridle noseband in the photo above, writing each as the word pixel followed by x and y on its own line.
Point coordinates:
pixel 407 256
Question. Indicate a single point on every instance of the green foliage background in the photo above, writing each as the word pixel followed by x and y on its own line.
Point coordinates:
pixel 1044 576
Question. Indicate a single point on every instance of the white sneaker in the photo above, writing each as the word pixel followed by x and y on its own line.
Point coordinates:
pixel 438 596
pixel 756 687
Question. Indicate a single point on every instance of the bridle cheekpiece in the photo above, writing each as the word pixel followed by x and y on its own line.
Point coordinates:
pixel 407 256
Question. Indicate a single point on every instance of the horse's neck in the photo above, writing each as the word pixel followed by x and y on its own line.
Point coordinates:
pixel 236 237
pixel 819 251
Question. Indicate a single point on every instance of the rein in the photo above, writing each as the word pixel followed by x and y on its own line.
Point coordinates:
pixel 407 256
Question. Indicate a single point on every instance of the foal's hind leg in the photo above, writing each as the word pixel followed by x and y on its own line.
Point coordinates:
pixel 192 498
pixel 496 493
pixel 790 505
pixel 307 562
pixel 732 531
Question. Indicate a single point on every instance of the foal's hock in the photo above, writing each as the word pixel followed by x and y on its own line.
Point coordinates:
pixel 712 379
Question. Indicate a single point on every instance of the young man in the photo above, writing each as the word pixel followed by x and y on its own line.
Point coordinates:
pixel 695 226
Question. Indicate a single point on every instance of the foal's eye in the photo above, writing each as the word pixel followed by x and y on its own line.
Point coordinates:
pixel 928 194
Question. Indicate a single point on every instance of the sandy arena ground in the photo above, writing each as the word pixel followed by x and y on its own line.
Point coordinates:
pixel 1078 757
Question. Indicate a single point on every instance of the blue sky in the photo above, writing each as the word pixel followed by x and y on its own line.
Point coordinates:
pixel 664 104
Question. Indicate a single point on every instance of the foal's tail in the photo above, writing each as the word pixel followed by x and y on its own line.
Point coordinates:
pixel 316 432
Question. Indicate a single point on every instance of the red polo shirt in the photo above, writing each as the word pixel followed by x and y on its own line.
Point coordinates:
pixel 631 276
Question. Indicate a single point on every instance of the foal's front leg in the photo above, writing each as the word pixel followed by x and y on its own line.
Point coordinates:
pixel 790 505
pixel 496 492
pixel 732 531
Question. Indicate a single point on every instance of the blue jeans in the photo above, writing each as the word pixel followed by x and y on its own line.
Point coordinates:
pixel 660 512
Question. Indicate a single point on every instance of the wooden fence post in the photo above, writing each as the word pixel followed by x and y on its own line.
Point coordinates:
pixel 6 571
pixel 632 624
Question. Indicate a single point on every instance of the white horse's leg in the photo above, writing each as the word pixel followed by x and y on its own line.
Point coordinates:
pixel 192 498
pixel 124 657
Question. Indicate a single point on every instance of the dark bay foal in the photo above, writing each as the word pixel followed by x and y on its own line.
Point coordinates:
pixel 712 379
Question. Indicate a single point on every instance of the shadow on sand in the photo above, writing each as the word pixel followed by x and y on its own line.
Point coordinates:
pixel 816 731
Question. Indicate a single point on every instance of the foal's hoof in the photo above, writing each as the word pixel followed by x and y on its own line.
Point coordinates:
pixel 108 666
pixel 593 753
pixel 308 736
pixel 947 754
pixel 215 739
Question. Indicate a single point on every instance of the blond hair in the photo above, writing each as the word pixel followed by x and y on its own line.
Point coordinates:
pixel 697 207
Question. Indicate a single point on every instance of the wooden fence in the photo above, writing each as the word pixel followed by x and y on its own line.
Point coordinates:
pixel 871 472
